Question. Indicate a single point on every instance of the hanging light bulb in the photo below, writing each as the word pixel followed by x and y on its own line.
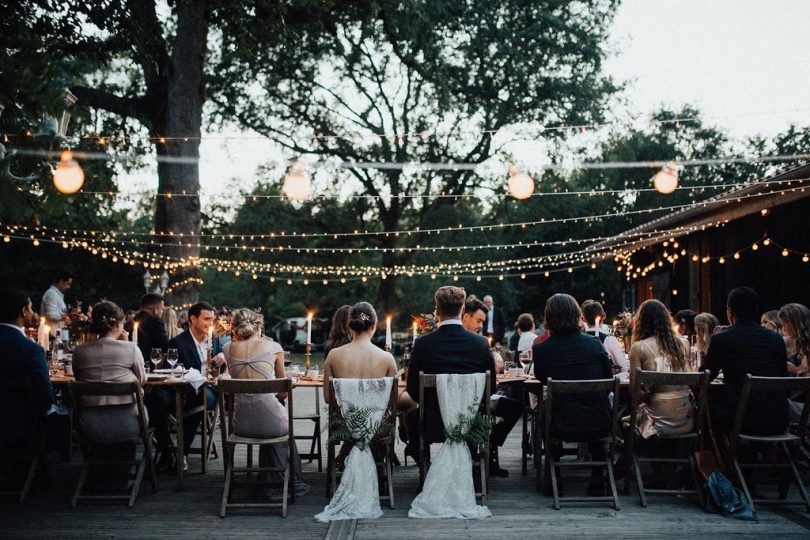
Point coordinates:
pixel 297 185
pixel 521 185
pixel 68 176
pixel 666 180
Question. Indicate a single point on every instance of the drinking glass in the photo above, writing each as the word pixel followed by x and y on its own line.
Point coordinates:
pixel 154 358
pixel 525 359
pixel 171 357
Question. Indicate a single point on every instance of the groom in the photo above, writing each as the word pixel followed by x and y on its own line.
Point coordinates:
pixel 448 349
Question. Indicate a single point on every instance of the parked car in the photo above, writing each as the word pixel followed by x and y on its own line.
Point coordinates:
pixel 291 333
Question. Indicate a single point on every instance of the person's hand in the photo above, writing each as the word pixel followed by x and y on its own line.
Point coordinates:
pixel 123 336
pixel 218 360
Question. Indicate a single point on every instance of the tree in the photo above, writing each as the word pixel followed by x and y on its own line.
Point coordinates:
pixel 419 82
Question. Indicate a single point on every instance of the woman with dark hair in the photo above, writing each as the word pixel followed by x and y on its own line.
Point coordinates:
pixel 339 334
pixel 358 359
pixel 111 358
pixel 795 319
pixel 686 323
pixel 668 409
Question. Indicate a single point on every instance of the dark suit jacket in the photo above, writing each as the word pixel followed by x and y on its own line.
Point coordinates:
pixel 575 357
pixel 746 347
pixel 151 333
pixel 20 356
pixel 448 349
pixel 187 350
pixel 498 324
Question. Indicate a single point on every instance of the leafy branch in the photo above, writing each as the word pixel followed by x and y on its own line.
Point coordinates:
pixel 354 425
pixel 473 429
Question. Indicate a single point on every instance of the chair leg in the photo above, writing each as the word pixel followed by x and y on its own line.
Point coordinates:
pixel 80 483
pixel 320 451
pixel 552 472
pixel 642 495
pixel 29 478
pixel 250 456
pixel 137 485
pixel 741 478
pixel 286 488
pixel 228 452
pixel 389 473
pixel 796 475
pixel 204 441
pixel 611 479
pixel 483 463
pixel 696 481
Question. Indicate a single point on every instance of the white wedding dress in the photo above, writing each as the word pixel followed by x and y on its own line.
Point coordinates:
pixel 449 491
pixel 358 496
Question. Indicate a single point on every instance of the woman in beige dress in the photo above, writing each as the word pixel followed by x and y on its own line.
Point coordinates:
pixel 667 410
pixel 264 416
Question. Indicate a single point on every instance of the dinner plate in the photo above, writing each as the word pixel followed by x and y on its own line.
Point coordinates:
pixel 170 371
pixel 156 376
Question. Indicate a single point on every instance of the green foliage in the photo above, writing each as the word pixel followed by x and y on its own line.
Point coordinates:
pixel 473 428
pixel 354 425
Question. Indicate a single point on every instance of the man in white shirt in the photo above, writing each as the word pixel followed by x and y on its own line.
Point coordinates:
pixel 594 315
pixel 53 305
pixel 527 328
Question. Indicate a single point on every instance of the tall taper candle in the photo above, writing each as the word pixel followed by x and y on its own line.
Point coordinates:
pixel 309 328
pixel 135 332
pixel 388 333
pixel 414 334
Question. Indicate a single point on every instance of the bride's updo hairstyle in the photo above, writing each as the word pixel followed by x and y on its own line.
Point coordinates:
pixel 106 316
pixel 362 317
pixel 245 323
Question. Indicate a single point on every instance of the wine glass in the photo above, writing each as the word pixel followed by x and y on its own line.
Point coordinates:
pixel 525 359
pixel 171 358
pixel 154 358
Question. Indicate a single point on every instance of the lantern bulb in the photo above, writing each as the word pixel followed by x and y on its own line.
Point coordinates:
pixel 297 185
pixel 665 181
pixel 521 185
pixel 68 177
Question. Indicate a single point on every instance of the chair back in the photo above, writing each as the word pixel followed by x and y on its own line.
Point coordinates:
pixel 771 385
pixel 428 380
pixel 133 388
pixel 592 386
pixel 21 388
pixel 698 383
pixel 390 409
pixel 233 387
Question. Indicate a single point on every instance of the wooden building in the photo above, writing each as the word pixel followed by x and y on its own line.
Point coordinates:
pixel 756 235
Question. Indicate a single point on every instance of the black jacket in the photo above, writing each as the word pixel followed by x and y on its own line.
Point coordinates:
pixel 575 357
pixel 187 349
pixel 448 349
pixel 498 324
pixel 747 347
pixel 151 333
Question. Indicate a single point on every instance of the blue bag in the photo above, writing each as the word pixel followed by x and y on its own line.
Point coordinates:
pixel 726 499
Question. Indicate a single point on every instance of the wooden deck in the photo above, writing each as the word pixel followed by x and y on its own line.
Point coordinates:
pixel 518 512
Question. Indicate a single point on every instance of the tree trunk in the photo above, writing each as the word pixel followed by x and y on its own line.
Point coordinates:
pixel 386 292
pixel 180 126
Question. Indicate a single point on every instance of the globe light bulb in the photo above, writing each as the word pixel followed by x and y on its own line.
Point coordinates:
pixel 521 185
pixel 297 185
pixel 68 177
pixel 665 181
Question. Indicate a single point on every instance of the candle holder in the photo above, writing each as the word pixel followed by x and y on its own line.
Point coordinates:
pixel 307 357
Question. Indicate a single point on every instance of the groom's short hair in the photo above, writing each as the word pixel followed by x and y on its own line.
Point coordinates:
pixel 449 301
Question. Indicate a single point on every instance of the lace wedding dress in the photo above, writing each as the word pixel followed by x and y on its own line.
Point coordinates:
pixel 449 491
pixel 357 496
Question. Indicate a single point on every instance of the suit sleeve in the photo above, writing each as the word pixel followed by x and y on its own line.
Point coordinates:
pixel 41 380
pixel 489 362
pixel 159 336
pixel 412 386
pixel 182 354
pixel 607 364
pixel 137 365
pixel 713 359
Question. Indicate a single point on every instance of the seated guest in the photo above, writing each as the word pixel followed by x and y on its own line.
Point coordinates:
pixel 448 349
pixel 151 329
pixel 171 322
pixel 795 322
pixel 747 348
pixel 514 339
pixel 507 401
pixel 594 315
pixel 359 358
pixel 705 323
pixel 668 410
pixel 21 357
pixel 686 323
pixel 525 324
pixel 192 352
pixel 568 354
pixel 261 416
pixel 111 421
pixel 339 334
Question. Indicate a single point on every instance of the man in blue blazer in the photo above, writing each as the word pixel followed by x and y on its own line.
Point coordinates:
pixel 20 357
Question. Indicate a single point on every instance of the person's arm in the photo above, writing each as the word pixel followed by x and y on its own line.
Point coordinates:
pixel 712 360
pixel 412 384
pixel 391 370
pixel 607 364
pixel 616 354
pixel 327 374
pixel 41 379
pixel 278 361
pixel 636 361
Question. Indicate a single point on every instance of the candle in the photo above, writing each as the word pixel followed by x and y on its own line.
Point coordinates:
pixel 388 332
pixel 489 340
pixel 46 331
pixel 596 328
pixel 309 328
pixel 210 339
pixel 135 332
pixel 42 334
pixel 414 334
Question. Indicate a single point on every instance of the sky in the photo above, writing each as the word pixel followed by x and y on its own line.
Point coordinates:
pixel 744 63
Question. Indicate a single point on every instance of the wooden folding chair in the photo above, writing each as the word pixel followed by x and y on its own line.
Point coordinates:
pixel 386 440
pixel 772 385
pixel 90 459
pixel 206 430
pixel 230 441
pixel 598 386
pixel 698 383
pixel 35 423
pixel 428 381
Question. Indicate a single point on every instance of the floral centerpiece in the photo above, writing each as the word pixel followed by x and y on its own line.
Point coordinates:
pixel 77 322
pixel 222 324
pixel 425 323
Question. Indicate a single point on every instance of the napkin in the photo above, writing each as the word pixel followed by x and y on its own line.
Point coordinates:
pixel 194 378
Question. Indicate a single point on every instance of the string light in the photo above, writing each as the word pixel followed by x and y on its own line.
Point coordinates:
pixel 666 180
pixel 521 185
pixel 297 185
pixel 68 176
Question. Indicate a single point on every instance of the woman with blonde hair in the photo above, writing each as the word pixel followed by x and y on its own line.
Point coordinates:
pixel 171 322
pixel 264 416
pixel 705 323
pixel 668 409
pixel 795 319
